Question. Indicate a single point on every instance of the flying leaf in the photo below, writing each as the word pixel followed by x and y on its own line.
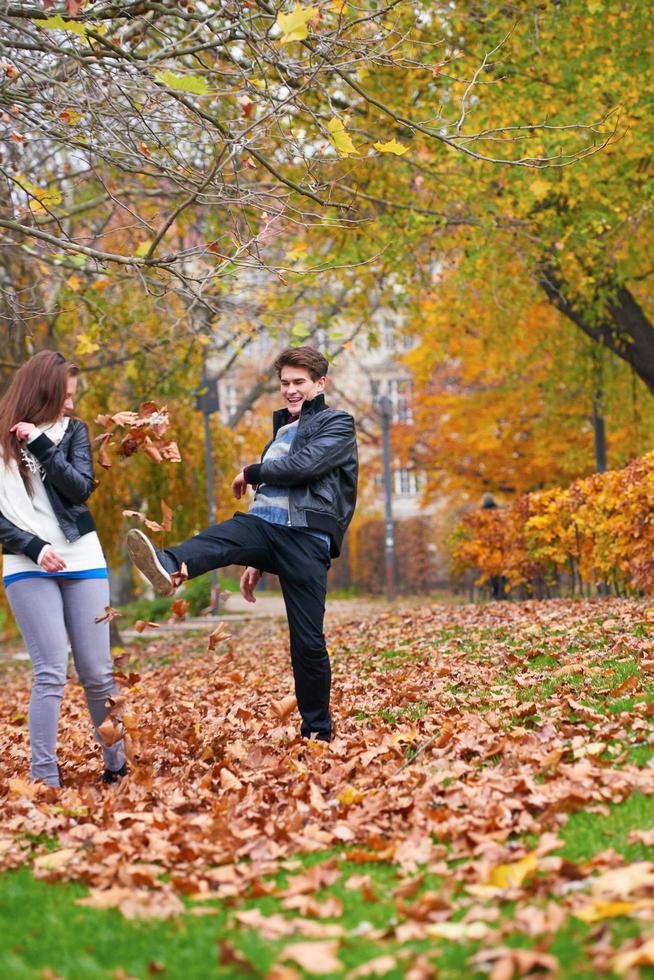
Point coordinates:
pixel 294 25
pixel 104 459
pixel 284 706
pixel 107 616
pixel 391 147
pixel 166 516
pixel 184 83
pixel 179 608
pixel 340 138
pixel 140 625
pixel 218 636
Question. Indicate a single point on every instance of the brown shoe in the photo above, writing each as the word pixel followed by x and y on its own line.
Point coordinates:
pixel 151 562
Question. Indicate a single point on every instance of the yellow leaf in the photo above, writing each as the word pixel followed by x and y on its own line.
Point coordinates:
pixel 86 346
pixel 513 875
pixel 391 147
pixel 57 23
pixel 70 117
pixel 74 282
pixel 539 187
pixel 294 25
pixel 341 139
pixel 143 249
pixel 350 795
pixel 595 911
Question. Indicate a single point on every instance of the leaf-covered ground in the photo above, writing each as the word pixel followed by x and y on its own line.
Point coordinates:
pixel 431 837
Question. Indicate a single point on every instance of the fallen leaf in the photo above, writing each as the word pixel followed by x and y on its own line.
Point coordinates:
pixel 316 958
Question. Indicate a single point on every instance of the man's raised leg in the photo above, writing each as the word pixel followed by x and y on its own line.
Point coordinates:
pixel 238 541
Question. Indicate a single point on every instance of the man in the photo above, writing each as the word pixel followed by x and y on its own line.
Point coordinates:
pixel 306 486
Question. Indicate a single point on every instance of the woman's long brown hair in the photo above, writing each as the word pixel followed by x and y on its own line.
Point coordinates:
pixel 36 394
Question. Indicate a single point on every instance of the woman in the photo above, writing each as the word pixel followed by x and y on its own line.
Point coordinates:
pixel 54 571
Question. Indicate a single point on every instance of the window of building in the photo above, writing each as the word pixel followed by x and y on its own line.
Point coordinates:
pixel 405 483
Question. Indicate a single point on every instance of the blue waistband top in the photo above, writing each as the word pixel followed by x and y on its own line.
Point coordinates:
pixel 85 573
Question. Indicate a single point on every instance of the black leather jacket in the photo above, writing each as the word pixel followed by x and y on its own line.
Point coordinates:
pixel 320 470
pixel 69 482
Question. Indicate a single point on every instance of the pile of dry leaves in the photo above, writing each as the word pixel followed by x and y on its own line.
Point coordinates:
pixel 449 742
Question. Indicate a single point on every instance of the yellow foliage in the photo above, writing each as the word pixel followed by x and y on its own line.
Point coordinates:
pixel 602 526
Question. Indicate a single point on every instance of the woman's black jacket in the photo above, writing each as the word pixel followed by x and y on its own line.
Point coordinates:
pixel 69 481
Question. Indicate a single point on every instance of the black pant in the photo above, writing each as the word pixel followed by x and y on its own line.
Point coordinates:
pixel 301 560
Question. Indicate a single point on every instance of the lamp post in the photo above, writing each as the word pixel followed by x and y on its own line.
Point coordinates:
pixel 207 402
pixel 599 430
pixel 389 530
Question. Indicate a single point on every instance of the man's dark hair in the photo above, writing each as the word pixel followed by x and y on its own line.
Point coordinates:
pixel 304 357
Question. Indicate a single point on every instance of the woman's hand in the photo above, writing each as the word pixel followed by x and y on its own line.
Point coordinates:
pixel 249 580
pixel 52 562
pixel 23 430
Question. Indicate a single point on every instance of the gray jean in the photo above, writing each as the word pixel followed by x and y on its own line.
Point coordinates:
pixel 51 613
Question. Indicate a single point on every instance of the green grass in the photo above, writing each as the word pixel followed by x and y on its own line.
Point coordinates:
pixel 42 927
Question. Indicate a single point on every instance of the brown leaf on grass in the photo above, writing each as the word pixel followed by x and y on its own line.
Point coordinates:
pixel 229 781
pixel 135 903
pixel 627 957
pixel 108 615
pixel 628 686
pixel 280 972
pixel 316 958
pixel 506 963
pixel 141 624
pixel 378 967
pixel 218 636
pixel 229 955
pixel 421 969
pixel 54 860
pixel 645 837
pixel 624 881
pixel 23 788
pixel 308 905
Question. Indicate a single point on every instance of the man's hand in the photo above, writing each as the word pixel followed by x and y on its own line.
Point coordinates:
pixel 239 485
pixel 52 562
pixel 249 580
pixel 22 430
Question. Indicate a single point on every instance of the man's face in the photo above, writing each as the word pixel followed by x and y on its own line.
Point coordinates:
pixel 297 387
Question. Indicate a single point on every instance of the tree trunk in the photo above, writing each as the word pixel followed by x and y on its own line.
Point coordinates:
pixel 624 328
